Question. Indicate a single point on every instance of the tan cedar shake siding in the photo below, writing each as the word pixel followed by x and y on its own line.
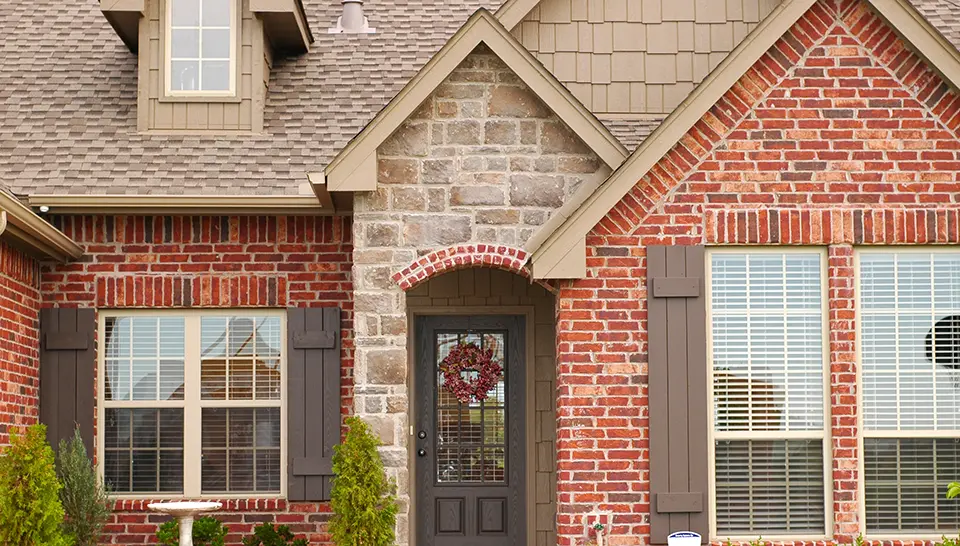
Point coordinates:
pixel 482 161
pixel 243 113
pixel 636 56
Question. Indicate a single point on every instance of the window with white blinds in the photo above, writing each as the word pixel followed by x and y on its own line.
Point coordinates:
pixel 192 404
pixel 768 381
pixel 909 307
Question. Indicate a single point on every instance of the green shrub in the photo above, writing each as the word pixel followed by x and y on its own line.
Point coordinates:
pixel 84 498
pixel 30 509
pixel 949 541
pixel 953 490
pixel 207 531
pixel 363 501
pixel 267 535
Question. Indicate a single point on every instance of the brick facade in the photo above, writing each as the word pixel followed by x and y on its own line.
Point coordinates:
pixel 211 262
pixel 19 340
pixel 838 136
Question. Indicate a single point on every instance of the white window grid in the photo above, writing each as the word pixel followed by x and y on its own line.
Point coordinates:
pixel 823 434
pixel 897 432
pixel 192 404
pixel 231 60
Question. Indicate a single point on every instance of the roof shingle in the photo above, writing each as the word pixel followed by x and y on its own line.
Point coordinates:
pixel 68 100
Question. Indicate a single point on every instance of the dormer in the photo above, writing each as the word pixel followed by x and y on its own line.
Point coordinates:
pixel 204 65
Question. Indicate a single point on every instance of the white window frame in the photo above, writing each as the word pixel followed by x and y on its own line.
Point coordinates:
pixel 191 404
pixel 713 436
pixel 933 536
pixel 236 20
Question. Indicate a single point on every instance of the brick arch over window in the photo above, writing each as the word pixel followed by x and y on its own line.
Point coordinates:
pixel 460 257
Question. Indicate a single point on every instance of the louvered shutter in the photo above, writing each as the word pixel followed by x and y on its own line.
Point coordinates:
pixel 677 344
pixel 67 372
pixel 313 401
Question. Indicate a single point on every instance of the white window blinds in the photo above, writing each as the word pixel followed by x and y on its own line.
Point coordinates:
pixel 767 347
pixel 910 356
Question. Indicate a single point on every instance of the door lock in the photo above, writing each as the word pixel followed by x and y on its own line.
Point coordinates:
pixel 422 435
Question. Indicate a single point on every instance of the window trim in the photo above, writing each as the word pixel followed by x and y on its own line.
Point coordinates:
pixel 232 94
pixel 192 487
pixel 862 434
pixel 827 417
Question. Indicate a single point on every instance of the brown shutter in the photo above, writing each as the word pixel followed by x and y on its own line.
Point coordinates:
pixel 313 400
pixel 67 370
pixel 677 330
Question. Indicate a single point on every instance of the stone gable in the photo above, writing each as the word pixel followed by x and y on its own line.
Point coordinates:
pixel 483 160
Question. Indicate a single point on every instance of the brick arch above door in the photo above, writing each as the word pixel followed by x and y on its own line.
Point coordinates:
pixel 459 257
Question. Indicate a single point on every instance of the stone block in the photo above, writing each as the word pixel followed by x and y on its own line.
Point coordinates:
pixel 398 171
pixel 438 171
pixel 447 109
pixel 530 190
pixel 528 132
pixel 501 132
pixel 411 139
pixel 459 91
pixel 436 200
pixel 428 231
pixel 578 164
pixel 556 138
pixel 498 216
pixel 386 366
pixel 464 132
pixel 476 195
pixel 378 234
pixel 508 101
pixel 414 199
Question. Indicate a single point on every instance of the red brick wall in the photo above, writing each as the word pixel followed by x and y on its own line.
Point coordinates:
pixel 211 262
pixel 838 136
pixel 19 340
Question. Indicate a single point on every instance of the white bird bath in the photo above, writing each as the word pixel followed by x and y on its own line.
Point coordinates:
pixel 185 512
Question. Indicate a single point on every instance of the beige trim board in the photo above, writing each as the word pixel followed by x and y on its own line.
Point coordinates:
pixel 124 16
pixel 550 258
pixel 33 232
pixel 285 23
pixel 184 204
pixel 513 11
pixel 350 170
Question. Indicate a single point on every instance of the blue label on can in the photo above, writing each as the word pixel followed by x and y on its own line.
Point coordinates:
pixel 684 534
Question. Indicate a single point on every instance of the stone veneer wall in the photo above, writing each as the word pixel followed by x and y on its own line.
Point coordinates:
pixel 483 160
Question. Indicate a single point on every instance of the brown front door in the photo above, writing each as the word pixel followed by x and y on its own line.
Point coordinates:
pixel 470 475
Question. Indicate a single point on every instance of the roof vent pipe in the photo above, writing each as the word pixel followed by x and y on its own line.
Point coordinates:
pixel 352 21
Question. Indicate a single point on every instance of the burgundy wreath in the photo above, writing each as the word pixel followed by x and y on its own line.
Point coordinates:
pixel 468 357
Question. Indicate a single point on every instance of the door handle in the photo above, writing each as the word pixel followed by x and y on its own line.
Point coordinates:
pixel 421 453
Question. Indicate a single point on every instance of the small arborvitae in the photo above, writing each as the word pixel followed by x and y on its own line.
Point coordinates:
pixel 30 509
pixel 83 496
pixel 363 500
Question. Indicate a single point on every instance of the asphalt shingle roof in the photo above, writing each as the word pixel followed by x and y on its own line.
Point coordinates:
pixel 68 100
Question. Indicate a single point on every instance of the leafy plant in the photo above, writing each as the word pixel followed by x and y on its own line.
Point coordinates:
pixel 949 541
pixel 363 500
pixel 207 531
pixel 30 509
pixel 84 497
pixel 953 490
pixel 267 535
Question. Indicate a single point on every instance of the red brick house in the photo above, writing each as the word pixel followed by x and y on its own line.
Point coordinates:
pixel 712 243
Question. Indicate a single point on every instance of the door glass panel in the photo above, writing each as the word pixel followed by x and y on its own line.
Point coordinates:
pixel 471 437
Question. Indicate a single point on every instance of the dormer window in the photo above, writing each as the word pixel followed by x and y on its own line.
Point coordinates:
pixel 201 47
pixel 192 76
